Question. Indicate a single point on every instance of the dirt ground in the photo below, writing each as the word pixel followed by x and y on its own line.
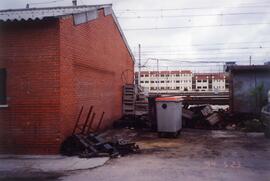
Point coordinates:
pixel 195 155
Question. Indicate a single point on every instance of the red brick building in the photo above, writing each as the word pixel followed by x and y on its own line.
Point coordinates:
pixel 52 62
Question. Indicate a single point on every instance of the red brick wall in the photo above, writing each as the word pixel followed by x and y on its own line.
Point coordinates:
pixel 30 53
pixel 95 54
pixel 53 68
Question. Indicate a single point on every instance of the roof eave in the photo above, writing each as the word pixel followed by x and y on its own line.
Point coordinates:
pixel 123 36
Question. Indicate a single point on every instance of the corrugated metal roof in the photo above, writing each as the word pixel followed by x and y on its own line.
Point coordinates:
pixel 40 13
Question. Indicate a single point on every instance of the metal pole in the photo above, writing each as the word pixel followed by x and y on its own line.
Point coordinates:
pixel 250 60
pixel 158 76
pixel 139 72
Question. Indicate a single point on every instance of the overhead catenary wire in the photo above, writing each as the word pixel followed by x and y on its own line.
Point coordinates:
pixel 198 27
pixel 201 53
pixel 204 44
pixel 159 51
pixel 213 57
pixel 192 15
pixel 208 49
pixel 194 8
pixel 191 60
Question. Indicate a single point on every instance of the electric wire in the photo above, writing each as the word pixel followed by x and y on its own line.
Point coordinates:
pixel 197 27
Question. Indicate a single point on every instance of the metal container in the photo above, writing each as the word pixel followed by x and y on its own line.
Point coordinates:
pixel 152 113
pixel 169 114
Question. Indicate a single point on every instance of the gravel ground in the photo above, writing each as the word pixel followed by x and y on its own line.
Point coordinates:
pixel 195 155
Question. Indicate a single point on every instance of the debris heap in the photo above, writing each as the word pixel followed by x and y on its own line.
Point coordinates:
pixel 87 142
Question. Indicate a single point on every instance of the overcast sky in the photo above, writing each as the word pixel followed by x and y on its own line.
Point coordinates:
pixel 178 32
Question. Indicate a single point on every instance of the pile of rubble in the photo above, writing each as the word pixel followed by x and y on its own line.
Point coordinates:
pixel 202 117
pixel 86 141
pixel 205 117
pixel 94 145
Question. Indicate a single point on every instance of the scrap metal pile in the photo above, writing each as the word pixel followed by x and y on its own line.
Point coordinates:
pixel 85 142
pixel 204 117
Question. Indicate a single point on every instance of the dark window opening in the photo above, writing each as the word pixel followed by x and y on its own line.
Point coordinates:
pixel 3 80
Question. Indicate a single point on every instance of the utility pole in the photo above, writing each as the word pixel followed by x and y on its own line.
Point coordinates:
pixel 250 60
pixel 157 76
pixel 139 72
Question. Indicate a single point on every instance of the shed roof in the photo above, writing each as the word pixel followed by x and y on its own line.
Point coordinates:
pixel 240 68
pixel 26 14
pixel 40 13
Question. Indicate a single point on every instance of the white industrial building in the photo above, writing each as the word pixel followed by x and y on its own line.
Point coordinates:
pixel 181 81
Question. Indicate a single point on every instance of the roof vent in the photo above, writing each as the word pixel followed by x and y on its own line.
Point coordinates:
pixel 74 2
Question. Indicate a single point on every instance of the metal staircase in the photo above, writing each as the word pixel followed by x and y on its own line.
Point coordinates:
pixel 135 103
pixel 129 98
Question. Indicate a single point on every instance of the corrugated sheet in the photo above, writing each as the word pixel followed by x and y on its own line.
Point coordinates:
pixel 40 13
pixel 81 15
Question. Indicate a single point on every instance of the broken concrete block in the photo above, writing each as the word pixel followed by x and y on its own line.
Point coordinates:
pixel 207 110
pixel 213 119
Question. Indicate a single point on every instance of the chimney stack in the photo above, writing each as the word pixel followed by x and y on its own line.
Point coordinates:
pixel 74 2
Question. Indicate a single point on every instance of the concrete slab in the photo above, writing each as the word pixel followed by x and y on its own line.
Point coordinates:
pixel 55 163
